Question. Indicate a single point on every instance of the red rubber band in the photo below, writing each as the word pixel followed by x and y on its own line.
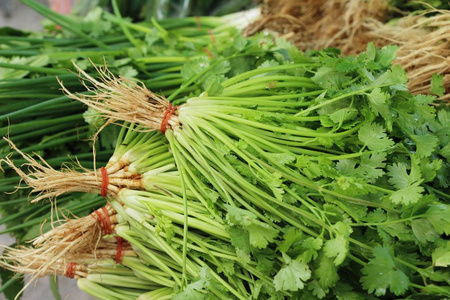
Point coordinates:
pixel 199 24
pixel 211 34
pixel 167 115
pixel 101 220
pixel 105 182
pixel 71 269
pixel 107 229
pixel 209 53
pixel 119 250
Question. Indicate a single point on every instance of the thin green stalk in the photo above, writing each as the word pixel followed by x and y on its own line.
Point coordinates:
pixel 64 22
pixel 44 70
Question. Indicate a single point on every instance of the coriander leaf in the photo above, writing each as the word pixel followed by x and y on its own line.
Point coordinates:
pixel 423 230
pixel 429 168
pixel 292 275
pixel 372 165
pixel 197 289
pixel 408 195
pixel 445 151
pixel 317 289
pixel 371 51
pixel 382 273
pixel 437 85
pixel 399 176
pixel 238 216
pixel 342 115
pixel 282 158
pixel 328 78
pixel 439 217
pixel 311 246
pixel 344 291
pixel 425 144
pixel 441 255
pixel 386 55
pixel 261 234
pixel 239 238
pixel 378 103
pixel 239 42
pixel 127 71
pixel 292 236
pixel 326 272
pixel 213 86
pixel 397 78
pixel 338 246
pixel 374 137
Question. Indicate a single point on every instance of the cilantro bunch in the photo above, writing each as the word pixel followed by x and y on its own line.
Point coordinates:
pixel 320 166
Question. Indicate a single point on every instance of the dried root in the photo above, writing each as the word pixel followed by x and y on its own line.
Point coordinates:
pixel 49 183
pixel 37 264
pixel 78 240
pixel 120 99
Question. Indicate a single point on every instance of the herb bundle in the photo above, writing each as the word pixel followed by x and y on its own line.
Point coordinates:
pixel 317 165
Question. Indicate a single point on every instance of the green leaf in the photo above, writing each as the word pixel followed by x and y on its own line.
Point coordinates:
pixel 326 272
pixel 282 158
pixel 372 165
pixel 437 85
pixel 310 247
pixel 292 275
pixel 239 42
pixel 338 246
pixel 260 234
pixel 439 217
pixel 381 274
pixel 342 115
pixel 408 195
pixel 197 289
pixel 371 51
pixel 328 78
pixel 374 137
pixel 425 144
pixel 293 235
pixel 424 231
pixel 378 103
pixel 386 55
pixel 128 72
pixel 441 255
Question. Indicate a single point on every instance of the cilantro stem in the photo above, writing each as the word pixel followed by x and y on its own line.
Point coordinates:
pixel 441 193
pixel 122 25
pixel 259 71
pixel 52 71
pixel 64 22
pixel 8 283
pixel 388 222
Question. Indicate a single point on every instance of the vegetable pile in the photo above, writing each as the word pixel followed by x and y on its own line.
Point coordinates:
pixel 306 176
pixel 249 170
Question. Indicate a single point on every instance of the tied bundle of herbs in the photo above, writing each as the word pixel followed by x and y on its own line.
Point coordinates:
pixel 324 169
pixel 153 52
pixel 149 216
